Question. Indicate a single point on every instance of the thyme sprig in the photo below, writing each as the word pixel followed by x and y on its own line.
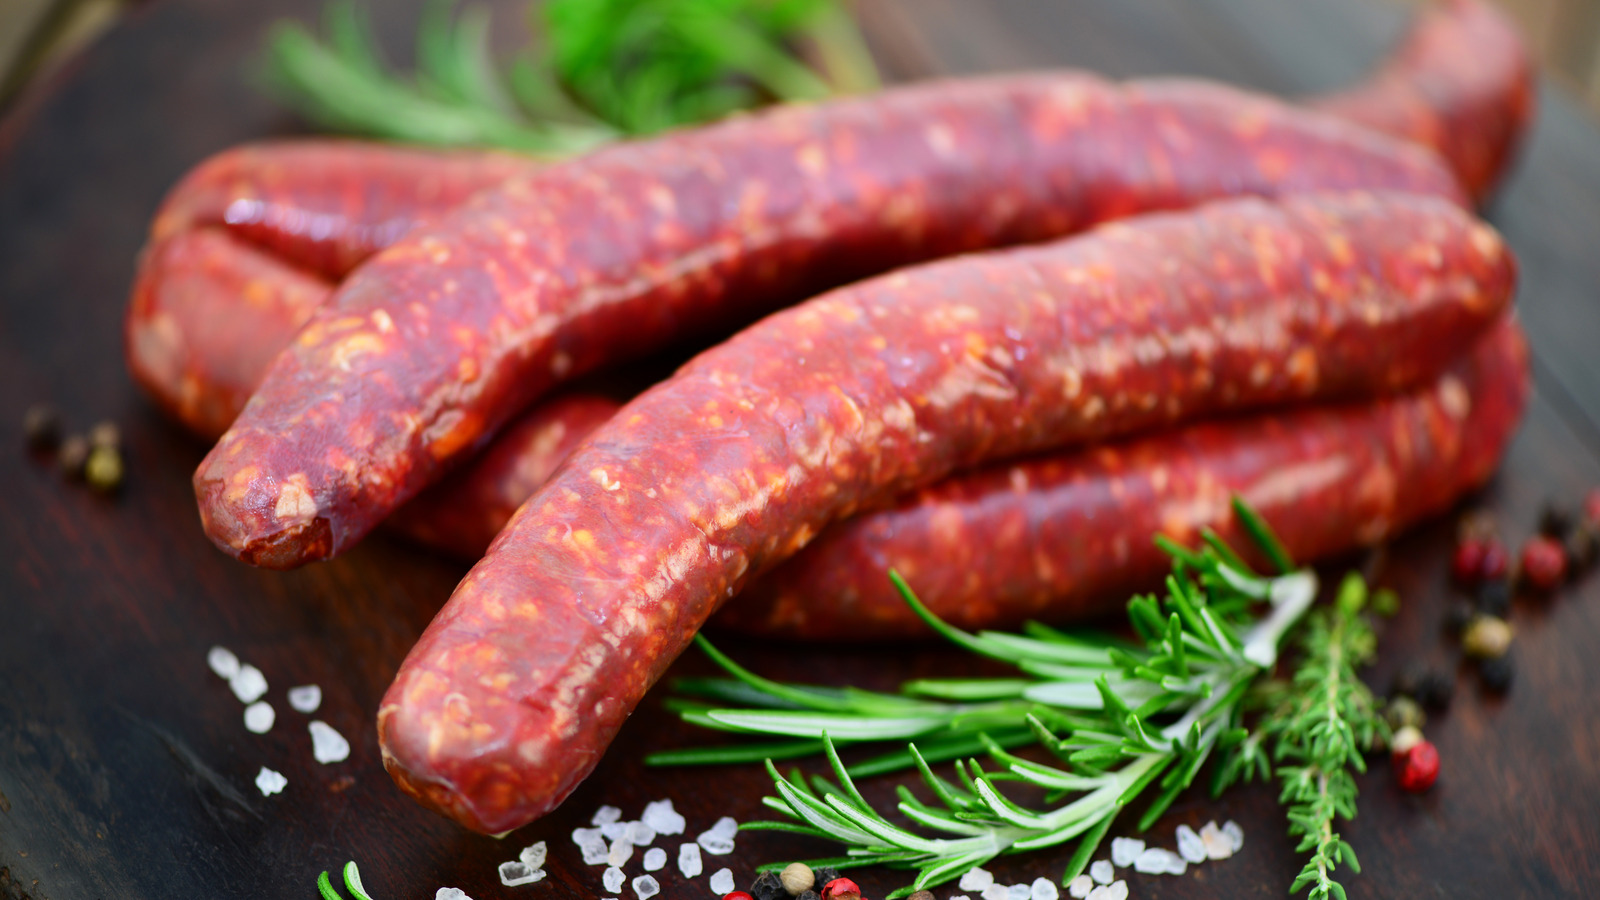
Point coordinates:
pixel 605 69
pixel 1119 719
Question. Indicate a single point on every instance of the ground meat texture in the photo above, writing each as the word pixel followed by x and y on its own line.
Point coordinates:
pixel 1462 82
pixel 851 399
pixel 435 342
pixel 1069 536
pixel 326 205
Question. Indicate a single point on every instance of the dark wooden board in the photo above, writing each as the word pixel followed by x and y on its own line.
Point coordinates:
pixel 125 770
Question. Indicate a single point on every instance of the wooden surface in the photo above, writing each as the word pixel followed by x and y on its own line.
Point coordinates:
pixel 125 769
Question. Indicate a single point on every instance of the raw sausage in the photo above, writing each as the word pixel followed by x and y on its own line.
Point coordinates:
pixel 1461 82
pixel 1069 536
pixel 852 398
pixel 438 340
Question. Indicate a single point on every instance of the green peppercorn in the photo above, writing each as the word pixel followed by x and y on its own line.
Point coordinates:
pixel 105 434
pixel 41 426
pixel 1487 638
pixel 1403 711
pixel 72 456
pixel 103 470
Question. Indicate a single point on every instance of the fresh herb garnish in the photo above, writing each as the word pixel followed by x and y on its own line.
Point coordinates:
pixel 607 68
pixel 352 883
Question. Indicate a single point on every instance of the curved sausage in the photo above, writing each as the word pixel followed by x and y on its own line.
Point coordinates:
pixel 326 205
pixel 850 399
pixel 1069 536
pixel 436 342
pixel 1461 82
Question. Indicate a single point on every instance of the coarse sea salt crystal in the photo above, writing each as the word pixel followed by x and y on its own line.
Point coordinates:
pixel 1099 893
pixel 594 851
pixel 606 815
pixel 1234 834
pixel 613 830
pixel 976 879
pixel 1190 847
pixel 621 851
pixel 1152 861
pixel 639 834
pixel 715 844
pixel 258 717
pixel 223 662
pixel 516 872
pixel 1018 892
pixel 1080 887
pixel 1125 850
pixel 661 817
pixel 1217 844
pixel 248 684
pixel 1100 870
pixel 1117 890
pixel 1044 889
pixel 534 855
pixel 270 782
pixel 722 881
pixel 613 879
pixel 451 894
pixel 727 827
pixel 327 745
pixel 996 892
pixel 646 887
pixel 654 859
pixel 305 698
pixel 689 860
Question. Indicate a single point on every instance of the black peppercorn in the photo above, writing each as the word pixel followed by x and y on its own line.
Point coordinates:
pixel 1408 679
pixel 41 425
pixel 1496 674
pixel 1458 615
pixel 72 456
pixel 809 895
pixel 1555 520
pixel 1435 690
pixel 768 886
pixel 826 874
pixel 1494 598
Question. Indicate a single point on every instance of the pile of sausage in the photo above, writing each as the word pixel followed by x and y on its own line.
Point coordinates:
pixel 1209 292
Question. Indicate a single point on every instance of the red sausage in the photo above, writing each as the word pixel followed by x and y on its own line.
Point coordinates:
pixel 437 341
pixel 850 399
pixel 1461 82
pixel 326 205
pixel 1069 536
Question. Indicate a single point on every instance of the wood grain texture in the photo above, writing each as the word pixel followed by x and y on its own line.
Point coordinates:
pixel 125 770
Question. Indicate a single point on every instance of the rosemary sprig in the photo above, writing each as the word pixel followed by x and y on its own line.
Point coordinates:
pixel 607 68
pixel 352 883
pixel 1318 727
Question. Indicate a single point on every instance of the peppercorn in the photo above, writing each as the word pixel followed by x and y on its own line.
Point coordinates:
pixel 1582 546
pixel 105 434
pixel 768 886
pixel 1556 519
pixel 1385 602
pixel 737 895
pixel 1407 680
pixel 1404 739
pixel 1496 561
pixel 72 456
pixel 921 895
pixel 826 874
pixel 103 470
pixel 41 426
pixel 1418 767
pixel 1435 690
pixel 1403 712
pixel 1486 638
pixel 1468 560
pixel 841 889
pixel 809 895
pixel 1496 674
pixel 1544 563
pixel 1458 615
pixel 1494 598
pixel 797 878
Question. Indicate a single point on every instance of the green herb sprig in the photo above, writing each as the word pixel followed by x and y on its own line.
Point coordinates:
pixel 352 883
pixel 606 69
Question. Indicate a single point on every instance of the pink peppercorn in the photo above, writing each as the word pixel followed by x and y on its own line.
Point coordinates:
pixel 1468 560
pixel 737 895
pixel 1418 767
pixel 841 889
pixel 1544 563
pixel 1496 561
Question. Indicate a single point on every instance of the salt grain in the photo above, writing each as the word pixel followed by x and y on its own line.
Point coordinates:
pixel 689 860
pixel 270 782
pixel 1044 889
pixel 639 834
pixel 646 887
pixel 654 859
pixel 1155 861
pixel 594 850
pixel 661 817
pixel 613 830
pixel 1117 890
pixel 515 873
pixel 248 684
pixel 581 836
pixel 1125 850
pixel 1234 834
pixel 1190 847
pixel 1018 892
pixel 534 855
pixel 1101 871
pixel 621 851
pixel 223 662
pixel 996 892
pixel 714 843
pixel 605 815
pixel 305 698
pixel 1080 887
pixel 613 879
pixel 1099 893
pixel 976 879
pixel 451 894
pixel 1216 843
pixel 327 745
pixel 727 827
pixel 722 881
pixel 258 717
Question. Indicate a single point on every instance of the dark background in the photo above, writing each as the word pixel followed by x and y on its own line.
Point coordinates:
pixel 125 770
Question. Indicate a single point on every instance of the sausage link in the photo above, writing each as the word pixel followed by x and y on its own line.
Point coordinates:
pixel 434 343
pixel 850 399
pixel 1462 83
pixel 1069 536
pixel 326 205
